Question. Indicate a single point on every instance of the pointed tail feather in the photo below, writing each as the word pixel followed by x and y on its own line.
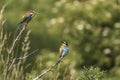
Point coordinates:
pixel 19 25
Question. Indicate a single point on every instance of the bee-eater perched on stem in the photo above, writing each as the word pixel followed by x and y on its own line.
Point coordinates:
pixel 27 18
pixel 64 49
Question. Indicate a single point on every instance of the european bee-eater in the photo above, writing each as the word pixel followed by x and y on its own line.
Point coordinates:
pixel 64 49
pixel 26 18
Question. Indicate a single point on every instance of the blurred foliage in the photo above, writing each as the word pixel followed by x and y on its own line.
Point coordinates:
pixel 92 73
pixel 92 27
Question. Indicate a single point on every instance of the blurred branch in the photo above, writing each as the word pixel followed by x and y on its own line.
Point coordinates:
pixel 11 61
pixel 1 15
pixel 15 59
pixel 28 55
pixel 48 70
pixel 17 39
pixel 21 58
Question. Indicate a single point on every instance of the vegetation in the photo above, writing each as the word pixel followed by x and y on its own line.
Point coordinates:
pixel 92 28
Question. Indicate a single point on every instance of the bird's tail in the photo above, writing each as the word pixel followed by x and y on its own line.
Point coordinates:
pixel 19 25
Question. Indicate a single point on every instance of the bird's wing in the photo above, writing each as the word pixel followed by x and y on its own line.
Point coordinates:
pixel 60 50
pixel 25 16
pixel 24 19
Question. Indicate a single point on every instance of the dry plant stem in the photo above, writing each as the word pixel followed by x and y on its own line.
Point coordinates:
pixel 11 61
pixel 16 39
pixel 28 55
pixel 48 70
pixel 24 57
pixel 21 58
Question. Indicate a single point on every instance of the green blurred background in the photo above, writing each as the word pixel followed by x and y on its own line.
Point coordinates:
pixel 92 28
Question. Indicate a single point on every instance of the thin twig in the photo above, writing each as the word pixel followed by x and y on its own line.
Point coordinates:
pixel 16 40
pixel 12 63
pixel 28 55
pixel 24 57
pixel 48 70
